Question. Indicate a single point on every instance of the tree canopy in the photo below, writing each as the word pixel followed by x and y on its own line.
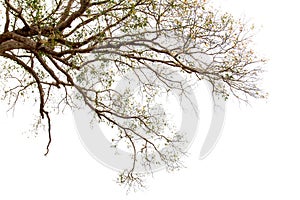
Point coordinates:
pixel 49 49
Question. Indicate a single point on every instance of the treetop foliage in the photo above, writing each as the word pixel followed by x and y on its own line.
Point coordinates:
pixel 49 49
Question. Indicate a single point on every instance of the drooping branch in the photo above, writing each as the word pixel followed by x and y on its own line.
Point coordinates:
pixel 86 45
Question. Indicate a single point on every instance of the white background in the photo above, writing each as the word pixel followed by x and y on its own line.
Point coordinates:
pixel 257 156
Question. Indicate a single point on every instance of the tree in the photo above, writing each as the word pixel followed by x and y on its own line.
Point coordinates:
pixel 46 49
